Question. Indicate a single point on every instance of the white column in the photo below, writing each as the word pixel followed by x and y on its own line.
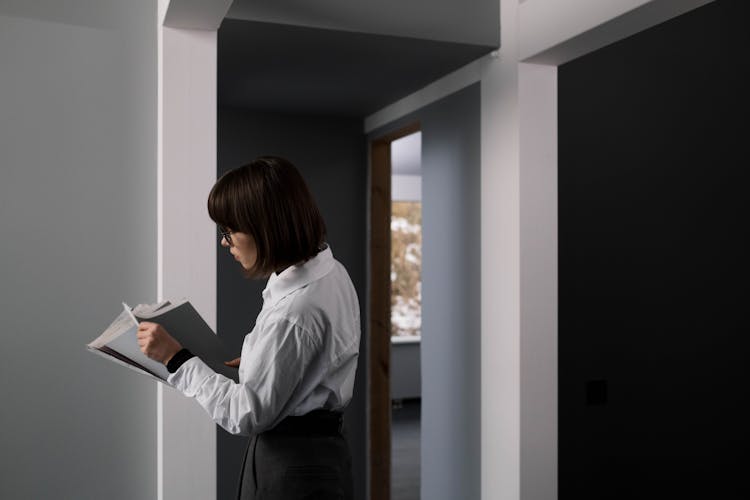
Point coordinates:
pixel 537 96
pixel 500 225
pixel 186 236
pixel 554 32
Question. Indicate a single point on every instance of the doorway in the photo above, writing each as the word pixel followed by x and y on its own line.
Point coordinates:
pixel 406 315
pixel 380 321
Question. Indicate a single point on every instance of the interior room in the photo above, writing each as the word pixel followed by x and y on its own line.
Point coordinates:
pixel 541 205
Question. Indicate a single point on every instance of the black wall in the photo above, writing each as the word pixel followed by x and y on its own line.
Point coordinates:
pixel 330 153
pixel 653 217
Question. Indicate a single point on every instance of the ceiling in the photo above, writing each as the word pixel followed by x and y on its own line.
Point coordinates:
pixel 295 69
pixel 475 22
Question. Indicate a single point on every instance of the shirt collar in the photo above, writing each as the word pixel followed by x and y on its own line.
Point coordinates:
pixel 295 277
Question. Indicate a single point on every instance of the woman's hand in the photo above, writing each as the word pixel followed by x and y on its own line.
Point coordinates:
pixel 156 343
pixel 235 363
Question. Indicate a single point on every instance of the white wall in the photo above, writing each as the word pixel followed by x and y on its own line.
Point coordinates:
pixel 451 277
pixel 78 225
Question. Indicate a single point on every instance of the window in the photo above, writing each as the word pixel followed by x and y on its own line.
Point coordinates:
pixel 406 268
pixel 406 238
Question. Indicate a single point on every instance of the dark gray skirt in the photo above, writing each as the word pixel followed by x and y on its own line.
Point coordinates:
pixel 303 458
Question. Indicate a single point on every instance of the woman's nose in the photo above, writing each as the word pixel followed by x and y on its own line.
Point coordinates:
pixel 224 242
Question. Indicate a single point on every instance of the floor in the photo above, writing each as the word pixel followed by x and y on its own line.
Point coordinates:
pixel 405 459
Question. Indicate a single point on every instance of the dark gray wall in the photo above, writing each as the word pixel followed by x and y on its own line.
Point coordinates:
pixel 450 454
pixel 78 225
pixel 330 153
pixel 653 249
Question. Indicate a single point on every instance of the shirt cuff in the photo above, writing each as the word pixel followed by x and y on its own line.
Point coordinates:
pixel 178 359
pixel 191 376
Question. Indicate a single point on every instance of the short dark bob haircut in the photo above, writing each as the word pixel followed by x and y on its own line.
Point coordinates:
pixel 269 200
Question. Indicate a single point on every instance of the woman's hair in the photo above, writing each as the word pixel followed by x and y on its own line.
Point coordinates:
pixel 269 200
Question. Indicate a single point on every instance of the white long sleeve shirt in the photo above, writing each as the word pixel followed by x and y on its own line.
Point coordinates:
pixel 300 356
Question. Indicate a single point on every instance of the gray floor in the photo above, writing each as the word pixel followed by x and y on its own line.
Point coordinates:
pixel 405 459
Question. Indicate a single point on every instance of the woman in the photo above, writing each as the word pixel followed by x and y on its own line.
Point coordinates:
pixel 297 366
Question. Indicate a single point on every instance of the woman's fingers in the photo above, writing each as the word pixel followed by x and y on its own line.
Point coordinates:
pixel 234 363
pixel 155 342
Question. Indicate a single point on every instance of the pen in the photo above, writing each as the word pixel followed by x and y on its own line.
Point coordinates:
pixel 130 312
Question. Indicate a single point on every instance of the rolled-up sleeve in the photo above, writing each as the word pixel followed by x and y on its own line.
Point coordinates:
pixel 271 379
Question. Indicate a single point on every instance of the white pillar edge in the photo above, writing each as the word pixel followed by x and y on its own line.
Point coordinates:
pixel 500 263
pixel 196 14
pixel 161 11
pixel 187 465
pixel 554 32
pixel 537 96
pixel 186 255
pixel 443 87
pixel 188 252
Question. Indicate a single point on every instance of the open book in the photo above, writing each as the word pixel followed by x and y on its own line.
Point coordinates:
pixel 118 342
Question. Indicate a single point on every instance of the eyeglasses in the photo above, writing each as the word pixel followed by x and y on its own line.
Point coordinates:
pixel 225 234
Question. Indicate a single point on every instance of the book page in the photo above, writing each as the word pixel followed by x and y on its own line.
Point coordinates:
pixel 110 355
pixel 144 310
pixel 120 325
pixel 120 341
pixel 151 311
pixel 127 345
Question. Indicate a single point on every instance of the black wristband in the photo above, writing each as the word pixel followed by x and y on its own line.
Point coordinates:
pixel 176 362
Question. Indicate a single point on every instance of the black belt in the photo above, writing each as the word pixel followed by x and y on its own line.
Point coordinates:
pixel 325 422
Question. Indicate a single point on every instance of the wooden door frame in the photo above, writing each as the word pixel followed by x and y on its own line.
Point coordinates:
pixel 380 313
